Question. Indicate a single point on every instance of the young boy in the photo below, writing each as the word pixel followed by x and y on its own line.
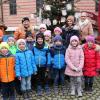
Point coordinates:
pixel 7 73
pixel 42 59
pixel 58 56
pixel 25 67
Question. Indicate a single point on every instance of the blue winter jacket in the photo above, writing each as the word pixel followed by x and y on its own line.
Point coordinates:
pixel 25 64
pixel 42 56
pixel 58 56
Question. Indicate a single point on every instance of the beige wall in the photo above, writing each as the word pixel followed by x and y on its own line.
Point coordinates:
pixel 24 8
pixel 86 5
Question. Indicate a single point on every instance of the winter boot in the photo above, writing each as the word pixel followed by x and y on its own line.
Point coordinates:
pixel 29 94
pixel 79 92
pixel 39 90
pixel 56 89
pixel 86 87
pixel 47 90
pixel 90 88
pixel 25 95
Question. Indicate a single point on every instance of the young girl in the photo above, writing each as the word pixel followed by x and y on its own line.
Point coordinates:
pixel 57 31
pixel 47 35
pixel 7 73
pixel 42 59
pixel 12 45
pixel 58 55
pixel 89 69
pixel 74 58
pixel 25 67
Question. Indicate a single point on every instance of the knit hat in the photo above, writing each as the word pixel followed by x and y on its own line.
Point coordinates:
pixel 47 33
pixel 11 38
pixel 28 33
pixel 42 26
pixel 57 38
pixel 90 38
pixel 1 33
pixel 25 18
pixel 4 44
pixel 58 29
pixel 20 41
pixel 70 17
pixel 74 38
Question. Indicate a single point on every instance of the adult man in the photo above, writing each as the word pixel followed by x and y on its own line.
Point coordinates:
pixel 20 33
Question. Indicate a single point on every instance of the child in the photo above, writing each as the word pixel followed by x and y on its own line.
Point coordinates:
pixel 74 58
pixel 89 69
pixel 58 53
pixel 57 31
pixel 42 28
pixel 29 40
pixel 12 46
pixel 7 73
pixel 42 59
pixel 25 67
pixel 47 35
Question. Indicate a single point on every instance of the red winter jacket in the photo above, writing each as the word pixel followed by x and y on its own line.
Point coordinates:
pixel 90 61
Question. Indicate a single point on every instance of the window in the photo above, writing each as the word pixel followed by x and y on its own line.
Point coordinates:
pixel 96 5
pixel 12 5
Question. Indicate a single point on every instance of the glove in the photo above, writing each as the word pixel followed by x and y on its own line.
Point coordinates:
pixel 19 78
pixel 75 69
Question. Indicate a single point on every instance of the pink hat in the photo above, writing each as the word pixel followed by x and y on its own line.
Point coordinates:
pixel 47 33
pixel 90 38
pixel 74 38
pixel 58 29
pixel 43 26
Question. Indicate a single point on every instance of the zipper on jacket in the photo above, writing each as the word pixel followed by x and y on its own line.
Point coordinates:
pixel 39 61
pixel 7 68
pixel 59 58
pixel 26 63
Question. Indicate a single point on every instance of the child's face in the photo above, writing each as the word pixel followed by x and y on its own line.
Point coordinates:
pixel 4 50
pixel 29 38
pixel 40 41
pixel 47 38
pixel 74 43
pixel 21 46
pixel 42 29
pixel 11 42
pixel 90 44
pixel 58 43
pixel 57 32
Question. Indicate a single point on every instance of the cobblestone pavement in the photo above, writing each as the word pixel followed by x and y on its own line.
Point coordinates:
pixel 95 95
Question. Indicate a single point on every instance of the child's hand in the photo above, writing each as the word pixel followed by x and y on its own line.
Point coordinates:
pixel 19 78
pixel 35 73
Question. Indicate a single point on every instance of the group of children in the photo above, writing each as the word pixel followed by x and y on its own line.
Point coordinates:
pixel 44 58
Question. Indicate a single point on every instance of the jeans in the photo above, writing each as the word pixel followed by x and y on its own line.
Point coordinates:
pixel 58 76
pixel 26 83
pixel 8 91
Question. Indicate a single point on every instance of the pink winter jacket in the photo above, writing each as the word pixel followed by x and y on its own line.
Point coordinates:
pixel 74 58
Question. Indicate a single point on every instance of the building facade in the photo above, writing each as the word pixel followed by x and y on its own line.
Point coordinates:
pixel 14 10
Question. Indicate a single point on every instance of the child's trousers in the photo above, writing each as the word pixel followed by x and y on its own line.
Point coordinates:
pixel 76 83
pixel 8 90
pixel 26 83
